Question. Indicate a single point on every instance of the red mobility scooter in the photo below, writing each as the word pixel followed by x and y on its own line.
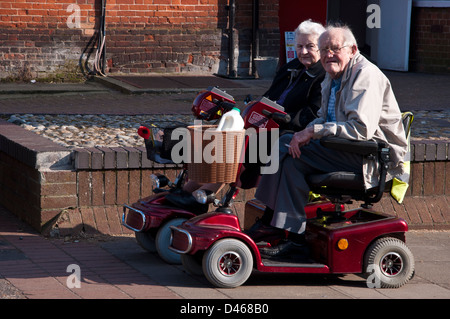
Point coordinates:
pixel 360 241
pixel 151 218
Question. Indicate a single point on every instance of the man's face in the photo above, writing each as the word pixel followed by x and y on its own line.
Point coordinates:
pixel 334 55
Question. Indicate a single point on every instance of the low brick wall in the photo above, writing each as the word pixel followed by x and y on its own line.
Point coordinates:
pixel 58 191
pixel 42 182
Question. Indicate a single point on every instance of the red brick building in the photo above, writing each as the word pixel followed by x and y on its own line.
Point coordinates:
pixel 45 37
pixel 430 37
pixel 141 36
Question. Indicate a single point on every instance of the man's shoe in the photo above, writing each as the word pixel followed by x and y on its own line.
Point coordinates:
pixel 284 248
pixel 259 231
pixel 185 200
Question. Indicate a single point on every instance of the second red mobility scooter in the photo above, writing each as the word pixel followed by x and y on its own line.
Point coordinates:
pixel 360 241
pixel 151 217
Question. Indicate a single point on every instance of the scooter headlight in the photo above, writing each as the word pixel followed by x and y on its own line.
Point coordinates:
pixel 159 180
pixel 204 196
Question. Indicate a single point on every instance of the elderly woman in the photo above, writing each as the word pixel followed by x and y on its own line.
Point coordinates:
pixel 357 104
pixel 296 87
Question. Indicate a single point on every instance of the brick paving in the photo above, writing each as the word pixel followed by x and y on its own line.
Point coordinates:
pixel 37 267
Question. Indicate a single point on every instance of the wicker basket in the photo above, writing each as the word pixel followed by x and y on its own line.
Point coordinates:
pixel 215 155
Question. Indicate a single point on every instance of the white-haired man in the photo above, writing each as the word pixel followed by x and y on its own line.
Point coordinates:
pixel 357 104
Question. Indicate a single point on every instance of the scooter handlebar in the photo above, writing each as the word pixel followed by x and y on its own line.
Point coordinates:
pixel 225 105
pixel 144 132
pixel 283 118
pixel 280 118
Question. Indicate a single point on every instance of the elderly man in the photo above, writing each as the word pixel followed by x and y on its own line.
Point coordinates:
pixel 357 104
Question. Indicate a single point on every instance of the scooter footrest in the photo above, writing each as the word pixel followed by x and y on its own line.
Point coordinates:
pixel 285 262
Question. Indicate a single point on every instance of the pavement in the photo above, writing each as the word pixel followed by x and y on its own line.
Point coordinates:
pixel 36 267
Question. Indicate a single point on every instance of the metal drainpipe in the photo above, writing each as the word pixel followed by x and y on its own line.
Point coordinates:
pixel 231 16
pixel 255 35
pixel 103 32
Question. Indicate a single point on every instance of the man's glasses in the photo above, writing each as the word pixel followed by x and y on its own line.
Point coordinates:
pixel 333 51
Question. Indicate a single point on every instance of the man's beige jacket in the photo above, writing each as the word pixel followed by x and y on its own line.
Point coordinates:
pixel 366 109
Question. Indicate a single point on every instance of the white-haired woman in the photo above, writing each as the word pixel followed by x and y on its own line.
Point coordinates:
pixel 297 87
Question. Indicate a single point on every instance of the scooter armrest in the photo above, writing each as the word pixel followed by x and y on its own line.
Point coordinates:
pixel 364 148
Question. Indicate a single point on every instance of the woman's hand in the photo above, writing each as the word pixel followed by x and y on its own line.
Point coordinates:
pixel 299 139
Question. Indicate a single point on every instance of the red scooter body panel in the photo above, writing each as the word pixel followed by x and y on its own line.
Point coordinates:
pixel 325 205
pixel 210 227
pixel 360 228
pixel 151 212
pixel 206 229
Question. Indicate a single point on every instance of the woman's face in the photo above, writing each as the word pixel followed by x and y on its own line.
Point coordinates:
pixel 307 49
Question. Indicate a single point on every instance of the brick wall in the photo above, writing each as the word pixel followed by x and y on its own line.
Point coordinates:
pixel 430 40
pixel 39 38
pixel 22 194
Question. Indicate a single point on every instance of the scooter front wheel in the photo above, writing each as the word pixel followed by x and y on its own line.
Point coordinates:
pixel 227 263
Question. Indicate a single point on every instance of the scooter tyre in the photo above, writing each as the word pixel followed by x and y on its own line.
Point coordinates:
pixel 162 242
pixel 389 263
pixel 146 240
pixel 228 263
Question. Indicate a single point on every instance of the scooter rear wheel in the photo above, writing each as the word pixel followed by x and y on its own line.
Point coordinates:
pixel 162 241
pixel 192 264
pixel 146 240
pixel 228 263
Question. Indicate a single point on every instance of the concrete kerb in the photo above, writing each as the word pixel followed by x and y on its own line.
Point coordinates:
pixel 126 88
pixel 51 88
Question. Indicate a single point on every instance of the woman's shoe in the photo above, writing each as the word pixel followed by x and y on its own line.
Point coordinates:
pixel 259 231
pixel 284 248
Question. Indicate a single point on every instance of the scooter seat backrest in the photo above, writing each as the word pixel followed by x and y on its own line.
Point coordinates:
pixel 349 184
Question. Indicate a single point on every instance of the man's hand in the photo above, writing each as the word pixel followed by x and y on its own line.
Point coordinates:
pixel 299 139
